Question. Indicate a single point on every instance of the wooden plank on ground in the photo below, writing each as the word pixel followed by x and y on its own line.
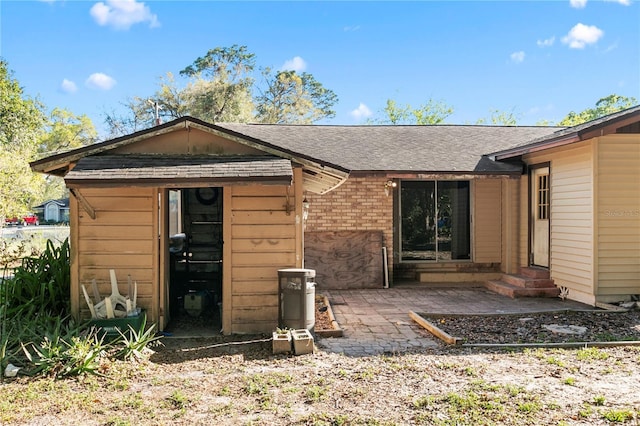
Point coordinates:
pixel 433 329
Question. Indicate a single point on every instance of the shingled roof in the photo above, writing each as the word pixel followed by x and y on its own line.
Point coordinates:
pixel 598 127
pixel 109 170
pixel 441 148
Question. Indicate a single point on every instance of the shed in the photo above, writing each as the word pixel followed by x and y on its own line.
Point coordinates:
pixel 189 210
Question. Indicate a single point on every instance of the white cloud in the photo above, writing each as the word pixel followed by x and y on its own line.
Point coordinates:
pixel 68 86
pixel 361 112
pixel 100 81
pixel 517 57
pixel 622 2
pixel 351 28
pixel 578 4
pixel 581 35
pixel 122 14
pixel 546 42
pixel 296 64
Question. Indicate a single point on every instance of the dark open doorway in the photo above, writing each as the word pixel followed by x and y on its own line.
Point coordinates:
pixel 195 255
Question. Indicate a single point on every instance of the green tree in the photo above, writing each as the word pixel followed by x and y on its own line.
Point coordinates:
pixel 220 88
pixel 433 112
pixel 500 118
pixel 65 131
pixel 21 125
pixel 293 98
pixel 604 106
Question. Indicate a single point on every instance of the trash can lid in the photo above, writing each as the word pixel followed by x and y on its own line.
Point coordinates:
pixel 307 272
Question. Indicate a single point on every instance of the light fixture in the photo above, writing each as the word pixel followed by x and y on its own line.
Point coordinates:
pixel 305 208
pixel 388 185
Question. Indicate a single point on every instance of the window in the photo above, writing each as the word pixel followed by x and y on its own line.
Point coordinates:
pixel 435 221
pixel 543 197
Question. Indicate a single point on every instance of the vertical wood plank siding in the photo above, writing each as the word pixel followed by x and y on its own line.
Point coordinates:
pixel 618 216
pixel 122 237
pixel 523 218
pixel 263 240
pixel 487 237
pixel 510 225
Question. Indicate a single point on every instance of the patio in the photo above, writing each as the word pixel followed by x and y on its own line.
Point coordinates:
pixel 376 321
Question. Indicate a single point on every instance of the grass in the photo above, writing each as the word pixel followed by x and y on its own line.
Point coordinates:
pixel 320 389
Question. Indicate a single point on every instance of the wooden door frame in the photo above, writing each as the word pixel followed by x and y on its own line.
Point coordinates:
pixel 530 216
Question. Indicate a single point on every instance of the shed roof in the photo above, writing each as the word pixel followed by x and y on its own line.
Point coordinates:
pixel 439 148
pixel 110 170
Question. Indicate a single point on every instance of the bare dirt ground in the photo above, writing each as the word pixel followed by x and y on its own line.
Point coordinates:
pixel 554 327
pixel 237 380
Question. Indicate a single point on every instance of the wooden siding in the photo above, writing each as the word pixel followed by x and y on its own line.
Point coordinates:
pixel 523 217
pixel 618 217
pixel 571 233
pixel 510 225
pixel 262 240
pixel 123 237
pixel 192 141
pixel 487 219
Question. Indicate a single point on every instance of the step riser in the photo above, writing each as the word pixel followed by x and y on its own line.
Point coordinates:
pixel 440 277
pixel 526 282
pixel 509 290
pixel 536 273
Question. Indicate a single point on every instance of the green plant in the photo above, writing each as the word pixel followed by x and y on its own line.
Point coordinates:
pixel 131 344
pixel 555 361
pixel 585 411
pixel 588 354
pixel 599 400
pixel 619 416
pixel 34 302
pixel 177 400
pixel 571 381
pixel 62 356
pixel 315 393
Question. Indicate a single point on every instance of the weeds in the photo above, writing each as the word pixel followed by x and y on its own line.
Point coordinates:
pixel 37 331
pixel 590 354
pixel 618 416
pixel 132 343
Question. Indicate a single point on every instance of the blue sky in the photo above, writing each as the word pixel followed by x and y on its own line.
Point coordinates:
pixel 537 59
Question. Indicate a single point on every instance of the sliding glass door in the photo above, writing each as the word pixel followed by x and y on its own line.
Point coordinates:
pixel 435 221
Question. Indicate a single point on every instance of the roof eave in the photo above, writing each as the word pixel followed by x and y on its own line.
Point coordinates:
pixel 540 146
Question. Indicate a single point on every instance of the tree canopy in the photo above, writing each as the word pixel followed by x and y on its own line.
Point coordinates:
pixel 220 87
pixel 432 112
pixel 604 106
pixel 26 132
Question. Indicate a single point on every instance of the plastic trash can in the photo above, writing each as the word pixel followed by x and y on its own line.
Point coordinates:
pixel 297 296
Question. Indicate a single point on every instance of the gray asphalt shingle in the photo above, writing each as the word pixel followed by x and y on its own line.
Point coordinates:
pixel 441 148
pixel 152 167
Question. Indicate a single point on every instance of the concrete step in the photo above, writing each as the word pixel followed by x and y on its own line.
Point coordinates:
pixel 527 282
pixel 534 272
pixel 456 276
pixel 506 289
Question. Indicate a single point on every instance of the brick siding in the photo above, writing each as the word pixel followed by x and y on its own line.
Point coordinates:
pixel 360 204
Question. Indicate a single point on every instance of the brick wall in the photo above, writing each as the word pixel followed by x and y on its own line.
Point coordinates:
pixel 360 204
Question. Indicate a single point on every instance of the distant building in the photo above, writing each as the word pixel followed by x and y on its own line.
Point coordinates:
pixel 53 211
